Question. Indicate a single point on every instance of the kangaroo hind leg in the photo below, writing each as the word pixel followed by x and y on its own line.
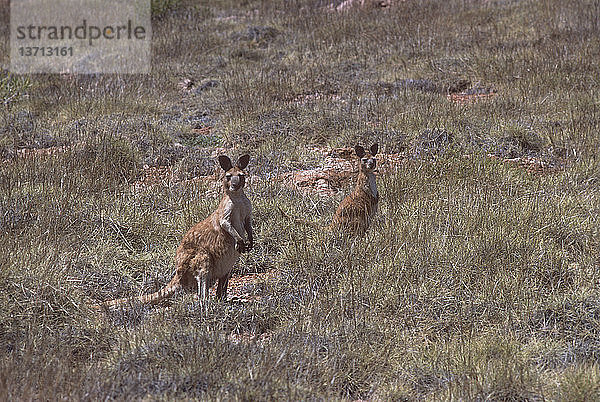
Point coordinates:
pixel 202 265
pixel 222 287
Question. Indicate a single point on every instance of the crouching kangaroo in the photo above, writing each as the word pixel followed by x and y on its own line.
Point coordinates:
pixel 355 213
pixel 209 250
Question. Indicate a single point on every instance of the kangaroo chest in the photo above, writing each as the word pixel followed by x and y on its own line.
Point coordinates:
pixel 236 210
pixel 372 185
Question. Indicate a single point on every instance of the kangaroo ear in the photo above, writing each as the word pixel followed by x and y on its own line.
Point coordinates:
pixel 225 162
pixel 374 149
pixel 360 151
pixel 243 161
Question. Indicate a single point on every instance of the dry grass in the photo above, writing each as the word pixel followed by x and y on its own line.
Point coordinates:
pixel 479 279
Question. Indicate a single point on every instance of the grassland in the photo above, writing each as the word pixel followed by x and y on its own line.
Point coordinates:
pixel 478 281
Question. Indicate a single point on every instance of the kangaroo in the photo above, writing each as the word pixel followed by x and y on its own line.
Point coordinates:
pixel 356 211
pixel 209 250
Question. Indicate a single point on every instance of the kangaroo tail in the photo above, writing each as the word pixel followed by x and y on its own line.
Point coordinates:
pixel 298 220
pixel 152 298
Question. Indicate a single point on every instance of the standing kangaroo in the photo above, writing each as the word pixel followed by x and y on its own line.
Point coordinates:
pixel 209 250
pixel 355 213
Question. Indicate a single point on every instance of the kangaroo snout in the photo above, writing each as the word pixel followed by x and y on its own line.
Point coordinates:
pixel 371 163
pixel 237 182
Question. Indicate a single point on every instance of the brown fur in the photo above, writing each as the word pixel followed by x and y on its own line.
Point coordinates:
pixel 210 248
pixel 356 211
